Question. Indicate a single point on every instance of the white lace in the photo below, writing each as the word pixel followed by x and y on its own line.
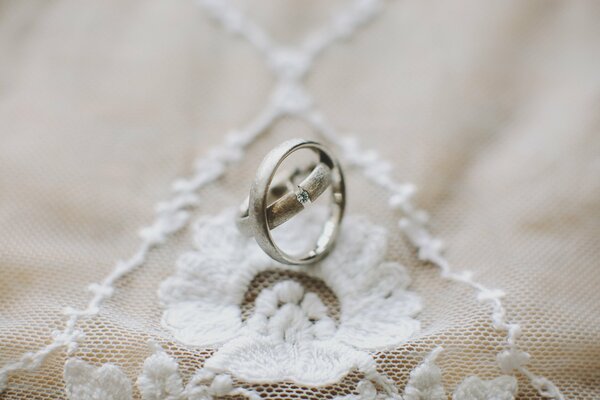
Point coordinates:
pixel 289 66
pixel 160 380
pixel 203 303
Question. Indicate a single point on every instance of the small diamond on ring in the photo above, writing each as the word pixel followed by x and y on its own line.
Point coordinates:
pixel 302 196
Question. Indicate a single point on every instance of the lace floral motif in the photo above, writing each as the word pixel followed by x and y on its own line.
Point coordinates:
pixel 291 334
pixel 86 382
pixel 160 380
pixel 425 383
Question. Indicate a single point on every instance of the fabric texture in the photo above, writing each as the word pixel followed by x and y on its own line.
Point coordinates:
pixel 491 109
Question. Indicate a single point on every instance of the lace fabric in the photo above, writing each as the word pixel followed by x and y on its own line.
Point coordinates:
pixel 290 335
pixel 515 227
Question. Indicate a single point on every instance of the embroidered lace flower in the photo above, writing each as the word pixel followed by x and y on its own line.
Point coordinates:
pixel 290 335
pixel 160 380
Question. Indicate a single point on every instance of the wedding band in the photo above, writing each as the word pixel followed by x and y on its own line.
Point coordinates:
pixel 257 217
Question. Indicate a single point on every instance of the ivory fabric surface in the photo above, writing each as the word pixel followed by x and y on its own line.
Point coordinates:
pixel 491 108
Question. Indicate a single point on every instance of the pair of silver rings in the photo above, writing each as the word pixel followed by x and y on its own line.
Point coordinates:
pixel 273 202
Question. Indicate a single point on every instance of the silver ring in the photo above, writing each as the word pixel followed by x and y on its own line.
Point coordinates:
pixel 258 217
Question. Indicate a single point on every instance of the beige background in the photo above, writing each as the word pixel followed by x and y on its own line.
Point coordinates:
pixel 491 108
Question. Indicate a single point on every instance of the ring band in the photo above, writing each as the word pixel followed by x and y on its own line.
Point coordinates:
pixel 292 198
pixel 257 217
